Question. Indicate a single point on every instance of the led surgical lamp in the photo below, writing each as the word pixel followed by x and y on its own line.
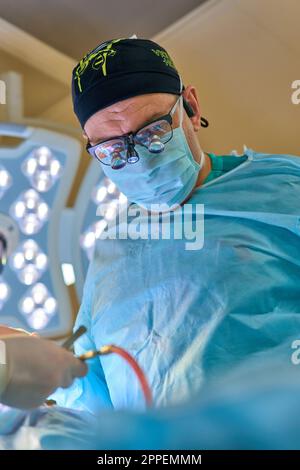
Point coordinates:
pixel 36 174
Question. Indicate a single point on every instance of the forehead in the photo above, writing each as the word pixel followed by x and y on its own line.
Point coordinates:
pixel 127 115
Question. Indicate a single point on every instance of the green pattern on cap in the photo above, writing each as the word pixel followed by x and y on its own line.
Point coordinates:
pixel 98 58
pixel 165 57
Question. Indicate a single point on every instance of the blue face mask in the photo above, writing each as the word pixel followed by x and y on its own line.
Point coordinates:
pixel 166 178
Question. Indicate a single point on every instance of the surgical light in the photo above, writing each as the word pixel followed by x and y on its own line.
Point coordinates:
pixel 27 305
pixel 122 198
pixel 50 305
pixel 104 194
pixel 36 174
pixel 42 169
pixel 89 237
pixel 111 210
pixel 68 274
pixel 39 293
pixel 4 292
pixel 5 180
pixel 111 188
pixel 90 218
pixel 29 262
pixel 30 211
pixel 38 306
pixel 99 193
pixel 38 320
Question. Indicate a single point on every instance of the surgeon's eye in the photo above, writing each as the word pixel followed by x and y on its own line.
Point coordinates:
pixel 150 136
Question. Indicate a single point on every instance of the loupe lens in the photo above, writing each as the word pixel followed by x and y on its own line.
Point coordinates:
pixel 156 145
pixel 117 161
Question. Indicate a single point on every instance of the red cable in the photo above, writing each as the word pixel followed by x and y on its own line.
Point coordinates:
pixel 139 373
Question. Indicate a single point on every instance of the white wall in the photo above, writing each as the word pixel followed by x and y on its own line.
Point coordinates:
pixel 242 55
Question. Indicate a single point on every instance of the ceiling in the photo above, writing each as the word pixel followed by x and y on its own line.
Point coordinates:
pixel 75 26
pixel 241 55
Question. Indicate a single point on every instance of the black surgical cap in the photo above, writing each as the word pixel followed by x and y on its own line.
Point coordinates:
pixel 119 69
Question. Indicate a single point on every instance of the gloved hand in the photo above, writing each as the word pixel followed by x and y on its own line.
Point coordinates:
pixel 35 368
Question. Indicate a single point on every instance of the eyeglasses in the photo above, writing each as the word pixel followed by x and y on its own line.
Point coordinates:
pixel 119 151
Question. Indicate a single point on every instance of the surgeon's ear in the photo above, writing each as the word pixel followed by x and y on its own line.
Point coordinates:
pixel 85 136
pixel 191 97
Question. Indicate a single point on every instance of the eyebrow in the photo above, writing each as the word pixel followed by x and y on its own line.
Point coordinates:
pixel 148 121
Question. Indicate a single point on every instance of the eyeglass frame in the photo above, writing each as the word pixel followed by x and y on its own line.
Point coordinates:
pixel 128 138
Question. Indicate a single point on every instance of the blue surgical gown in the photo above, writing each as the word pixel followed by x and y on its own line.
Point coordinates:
pixel 189 315
pixel 254 406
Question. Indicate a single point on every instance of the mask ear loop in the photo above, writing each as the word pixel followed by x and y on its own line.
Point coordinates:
pixel 180 111
pixel 202 160
pixel 202 157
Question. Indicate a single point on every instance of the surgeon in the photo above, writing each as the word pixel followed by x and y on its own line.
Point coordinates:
pixel 186 315
pixel 31 368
